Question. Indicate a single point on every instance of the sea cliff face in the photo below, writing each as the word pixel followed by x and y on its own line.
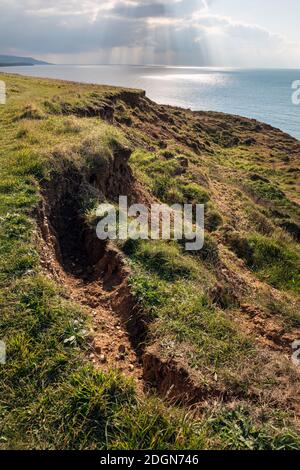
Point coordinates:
pixel 124 337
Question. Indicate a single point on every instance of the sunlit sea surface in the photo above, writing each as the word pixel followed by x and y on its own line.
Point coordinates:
pixel 263 94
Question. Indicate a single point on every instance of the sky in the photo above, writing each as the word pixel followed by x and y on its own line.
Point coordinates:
pixel 230 33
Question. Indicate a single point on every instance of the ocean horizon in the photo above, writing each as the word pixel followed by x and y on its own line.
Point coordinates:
pixel 262 94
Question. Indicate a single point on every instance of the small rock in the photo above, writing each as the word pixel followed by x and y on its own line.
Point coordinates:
pixel 92 355
pixel 102 359
pixel 131 368
pixel 98 348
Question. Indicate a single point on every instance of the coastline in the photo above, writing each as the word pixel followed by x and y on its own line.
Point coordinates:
pixel 264 94
pixel 125 337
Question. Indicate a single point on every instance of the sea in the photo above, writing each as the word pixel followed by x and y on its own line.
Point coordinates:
pixel 263 94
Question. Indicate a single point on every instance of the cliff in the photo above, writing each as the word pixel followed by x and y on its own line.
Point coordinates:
pixel 109 344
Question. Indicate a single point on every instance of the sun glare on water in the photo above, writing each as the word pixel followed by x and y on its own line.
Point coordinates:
pixel 201 78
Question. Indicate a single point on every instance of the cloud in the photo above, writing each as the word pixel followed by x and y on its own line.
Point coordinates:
pixel 159 8
pixel 180 32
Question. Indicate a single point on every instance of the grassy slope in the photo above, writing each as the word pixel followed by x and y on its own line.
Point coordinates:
pixel 199 306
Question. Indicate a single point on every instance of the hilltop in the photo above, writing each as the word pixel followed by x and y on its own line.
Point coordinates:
pixel 141 344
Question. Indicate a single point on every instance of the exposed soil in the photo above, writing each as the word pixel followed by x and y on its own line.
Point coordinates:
pixel 103 290
pixel 93 272
pixel 95 275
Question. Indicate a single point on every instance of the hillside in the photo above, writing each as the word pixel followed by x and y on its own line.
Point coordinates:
pixel 11 60
pixel 140 344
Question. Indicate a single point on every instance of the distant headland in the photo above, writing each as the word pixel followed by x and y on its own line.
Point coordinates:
pixel 12 61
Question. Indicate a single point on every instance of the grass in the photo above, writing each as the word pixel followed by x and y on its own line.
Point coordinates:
pixel 237 430
pixel 162 258
pixel 266 190
pixel 189 327
pixel 171 287
pixel 213 220
pixel 52 397
pixel 275 262
pixel 92 410
pixel 168 179
pixel 194 194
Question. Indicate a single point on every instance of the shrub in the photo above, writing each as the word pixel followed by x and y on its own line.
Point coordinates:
pixel 261 222
pixel 213 220
pixel 194 194
pixel 161 186
pixel 168 154
pixel 266 190
pixel 209 252
pixel 240 245
pixel 32 111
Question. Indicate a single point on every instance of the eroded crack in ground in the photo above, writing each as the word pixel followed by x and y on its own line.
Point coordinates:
pixel 111 346
pixel 95 275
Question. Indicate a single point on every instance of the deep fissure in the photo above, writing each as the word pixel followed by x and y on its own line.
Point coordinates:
pixel 92 262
